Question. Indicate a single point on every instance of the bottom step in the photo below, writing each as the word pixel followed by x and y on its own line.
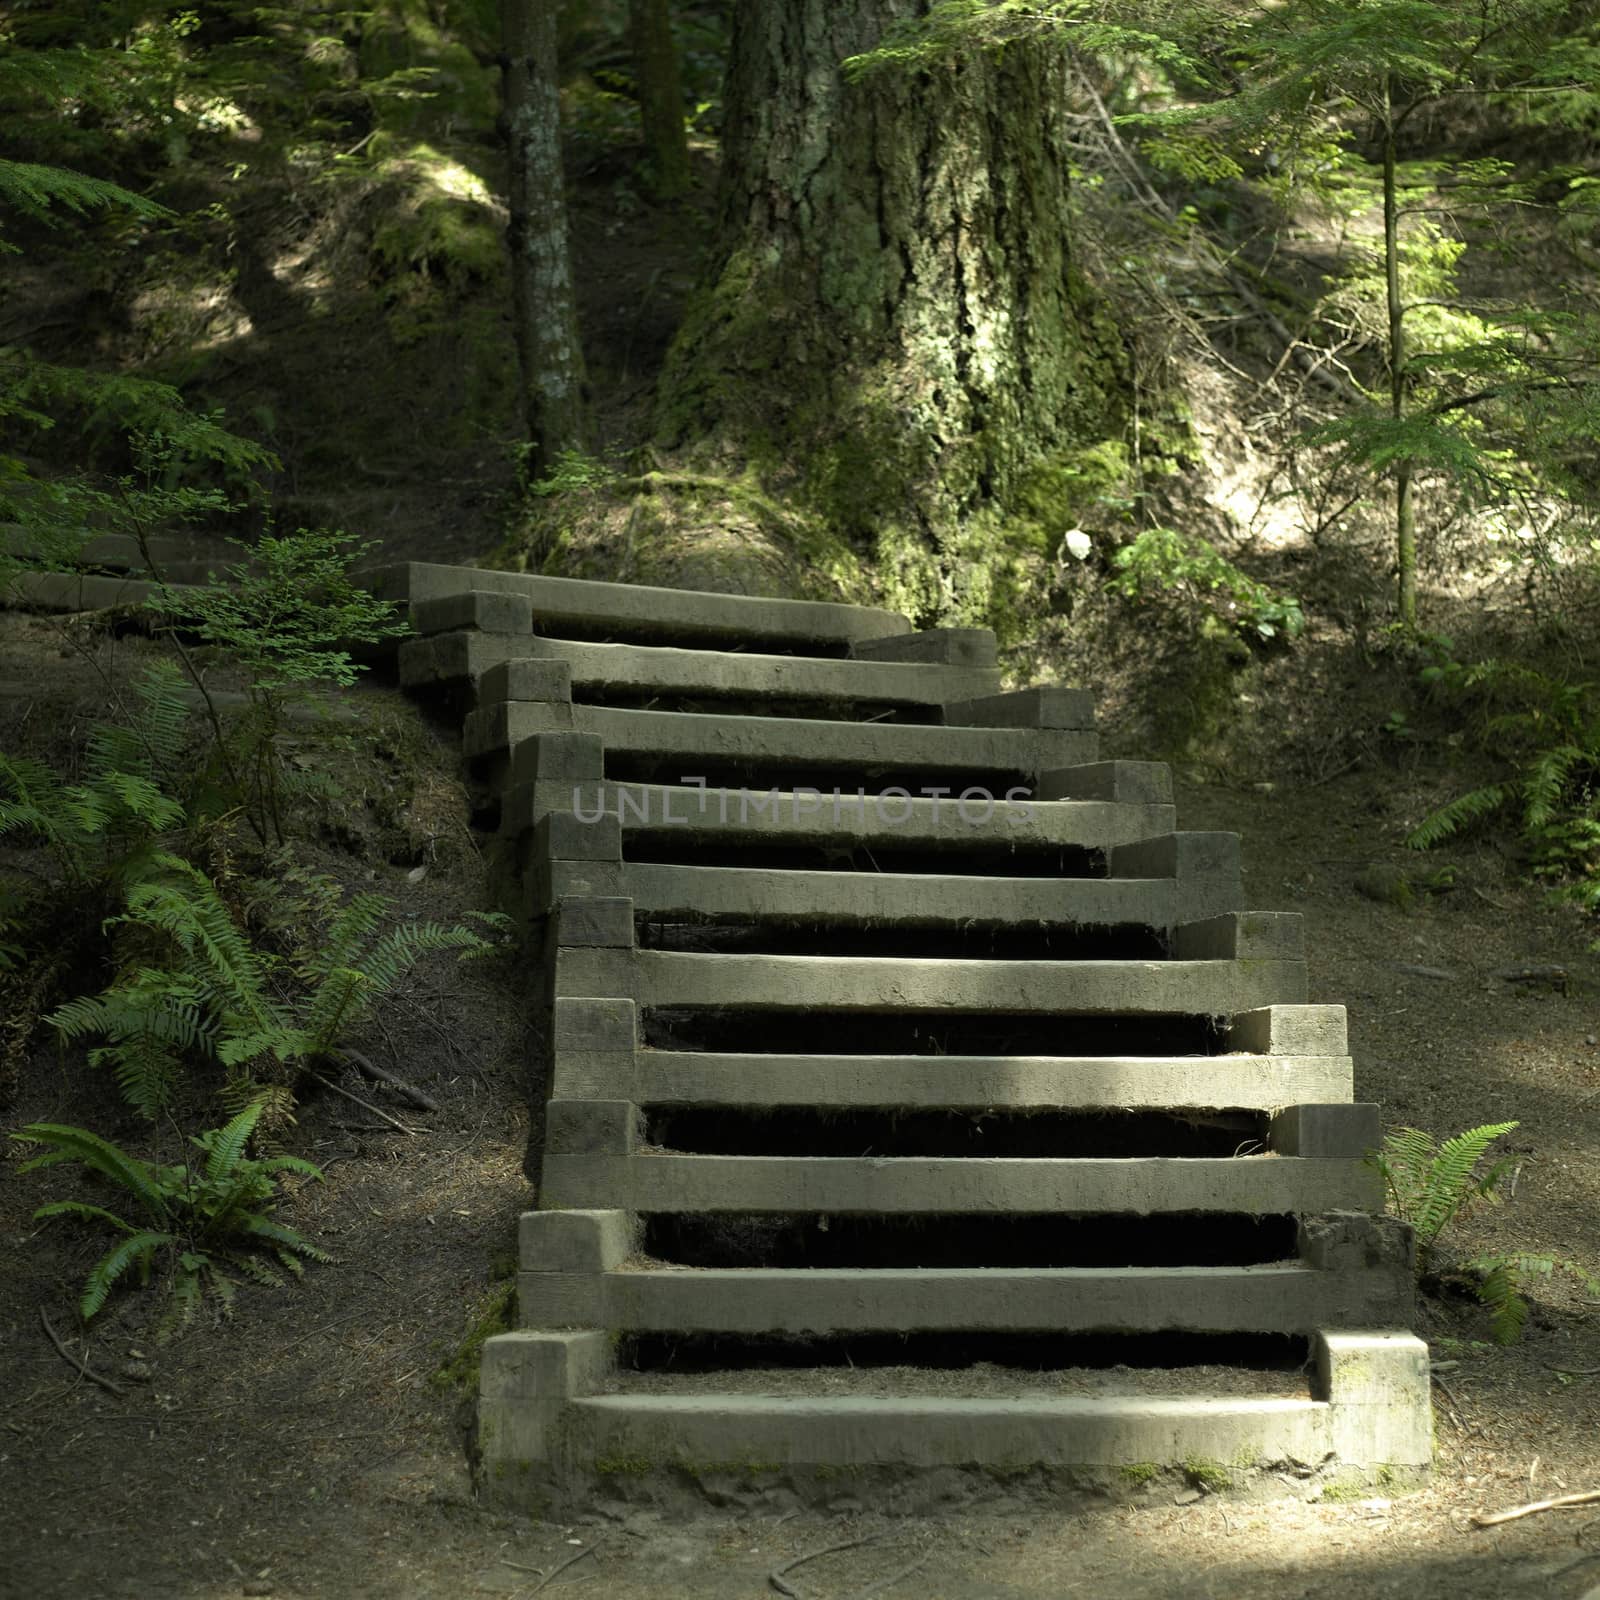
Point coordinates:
pixel 557 1431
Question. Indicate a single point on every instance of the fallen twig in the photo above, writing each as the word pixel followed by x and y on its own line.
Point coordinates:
pixel 72 1361
pixel 407 1091
pixel 1563 1502
pixel 556 1571
pixel 775 1577
pixel 1575 1372
pixel 366 1105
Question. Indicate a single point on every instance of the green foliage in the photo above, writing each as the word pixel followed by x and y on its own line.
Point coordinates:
pixel 205 1218
pixel 50 518
pixel 1431 1185
pixel 287 619
pixel 100 829
pixel 951 27
pixel 1161 560
pixel 1549 728
pixel 287 615
pixel 36 191
pixel 1499 1280
pixel 572 471
pixel 208 990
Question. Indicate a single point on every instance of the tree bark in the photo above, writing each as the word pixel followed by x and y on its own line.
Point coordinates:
pixel 894 332
pixel 1405 519
pixel 543 306
pixel 655 69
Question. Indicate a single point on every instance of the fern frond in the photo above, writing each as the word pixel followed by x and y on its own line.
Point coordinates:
pixel 1497 1287
pixel 306 1169
pixel 150 1021
pixel 146 1070
pixel 349 933
pixel 78 1208
pixel 185 1296
pixel 186 907
pixel 1450 1179
pixel 1546 778
pixel 254 1268
pixel 1459 814
pixel 1403 1163
pixel 281 1234
pixel 99 1155
pixel 140 1249
pixel 33 800
pixel 225 1147
pixel 142 801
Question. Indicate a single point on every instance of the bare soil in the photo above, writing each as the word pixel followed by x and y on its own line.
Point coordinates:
pixel 314 1445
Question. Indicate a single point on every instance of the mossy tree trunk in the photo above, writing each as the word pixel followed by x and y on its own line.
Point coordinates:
pixel 543 306
pixel 895 332
pixel 655 70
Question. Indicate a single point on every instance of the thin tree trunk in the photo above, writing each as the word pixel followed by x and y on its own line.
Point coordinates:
pixel 543 304
pixel 655 67
pixel 1404 510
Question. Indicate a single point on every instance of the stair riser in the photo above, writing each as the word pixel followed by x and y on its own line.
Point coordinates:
pixel 908 900
pixel 845 819
pixel 1286 1300
pixel 816 752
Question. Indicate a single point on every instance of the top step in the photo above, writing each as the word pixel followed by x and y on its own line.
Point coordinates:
pixel 583 608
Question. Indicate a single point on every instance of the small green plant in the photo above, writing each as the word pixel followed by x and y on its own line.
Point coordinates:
pixel 205 1218
pixel 1550 728
pixel 1430 1185
pixel 100 828
pixel 1162 560
pixel 570 472
pixel 209 990
pixel 287 618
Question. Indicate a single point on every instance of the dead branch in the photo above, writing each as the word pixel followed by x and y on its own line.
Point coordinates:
pixel 72 1361
pixel 366 1105
pixel 556 1571
pixel 406 1091
pixel 775 1577
pixel 1562 1502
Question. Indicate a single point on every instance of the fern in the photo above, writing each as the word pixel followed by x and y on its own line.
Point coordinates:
pixel 67 1143
pixel 217 995
pixel 95 828
pixel 1458 815
pixel 1431 1184
pixel 1499 1279
pixel 201 1219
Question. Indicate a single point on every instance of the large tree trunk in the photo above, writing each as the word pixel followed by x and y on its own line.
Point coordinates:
pixel 894 331
pixel 543 306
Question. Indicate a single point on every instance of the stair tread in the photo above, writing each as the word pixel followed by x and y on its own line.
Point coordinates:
pixel 668 668
pixel 629 607
pixel 1176 1391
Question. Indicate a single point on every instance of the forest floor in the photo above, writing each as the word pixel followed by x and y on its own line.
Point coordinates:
pixel 313 1446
